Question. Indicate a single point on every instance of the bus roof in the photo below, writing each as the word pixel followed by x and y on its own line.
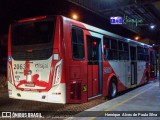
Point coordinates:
pixel 88 27
pixel 104 32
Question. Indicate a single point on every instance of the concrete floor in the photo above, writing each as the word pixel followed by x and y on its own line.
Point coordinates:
pixel 144 99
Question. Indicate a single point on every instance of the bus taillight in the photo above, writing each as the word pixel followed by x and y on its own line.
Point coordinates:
pixel 9 76
pixel 32 19
pixel 57 73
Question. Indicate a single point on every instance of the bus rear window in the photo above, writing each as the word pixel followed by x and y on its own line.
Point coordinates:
pixel 37 32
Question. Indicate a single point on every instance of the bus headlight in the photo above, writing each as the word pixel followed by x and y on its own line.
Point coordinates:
pixel 57 73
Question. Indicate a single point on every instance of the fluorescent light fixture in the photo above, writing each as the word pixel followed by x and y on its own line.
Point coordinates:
pixel 152 26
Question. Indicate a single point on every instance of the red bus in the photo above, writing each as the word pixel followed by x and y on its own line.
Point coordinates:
pixel 59 60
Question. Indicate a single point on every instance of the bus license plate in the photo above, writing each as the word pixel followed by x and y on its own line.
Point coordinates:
pixel 30 84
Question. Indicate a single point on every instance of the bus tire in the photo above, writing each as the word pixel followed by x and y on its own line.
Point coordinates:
pixel 112 92
pixel 146 78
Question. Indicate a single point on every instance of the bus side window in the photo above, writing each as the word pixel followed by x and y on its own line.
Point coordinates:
pixel 123 51
pixel 146 54
pixel 113 53
pixel 106 47
pixel 110 49
pixel 142 53
pixel 77 44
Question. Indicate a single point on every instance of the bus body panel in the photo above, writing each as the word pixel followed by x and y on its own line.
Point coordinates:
pixel 44 74
pixel 69 80
pixel 54 95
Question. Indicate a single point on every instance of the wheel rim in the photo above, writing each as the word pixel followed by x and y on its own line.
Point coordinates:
pixel 114 89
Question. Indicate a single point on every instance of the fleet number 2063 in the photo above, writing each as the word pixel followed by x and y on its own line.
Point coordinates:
pixel 19 66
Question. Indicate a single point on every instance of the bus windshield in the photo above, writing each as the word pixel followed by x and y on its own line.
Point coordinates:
pixel 35 32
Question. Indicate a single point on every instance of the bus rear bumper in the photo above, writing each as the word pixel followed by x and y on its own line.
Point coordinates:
pixel 56 94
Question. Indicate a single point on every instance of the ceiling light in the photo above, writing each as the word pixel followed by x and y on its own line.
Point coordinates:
pixel 137 38
pixel 74 16
pixel 152 26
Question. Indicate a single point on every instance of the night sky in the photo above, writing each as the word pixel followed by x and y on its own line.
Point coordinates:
pixel 11 10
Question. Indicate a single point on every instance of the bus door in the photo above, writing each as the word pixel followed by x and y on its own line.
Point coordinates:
pixel 94 65
pixel 152 64
pixel 133 58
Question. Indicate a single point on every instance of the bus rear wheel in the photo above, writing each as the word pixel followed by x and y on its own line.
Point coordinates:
pixel 112 92
pixel 146 78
